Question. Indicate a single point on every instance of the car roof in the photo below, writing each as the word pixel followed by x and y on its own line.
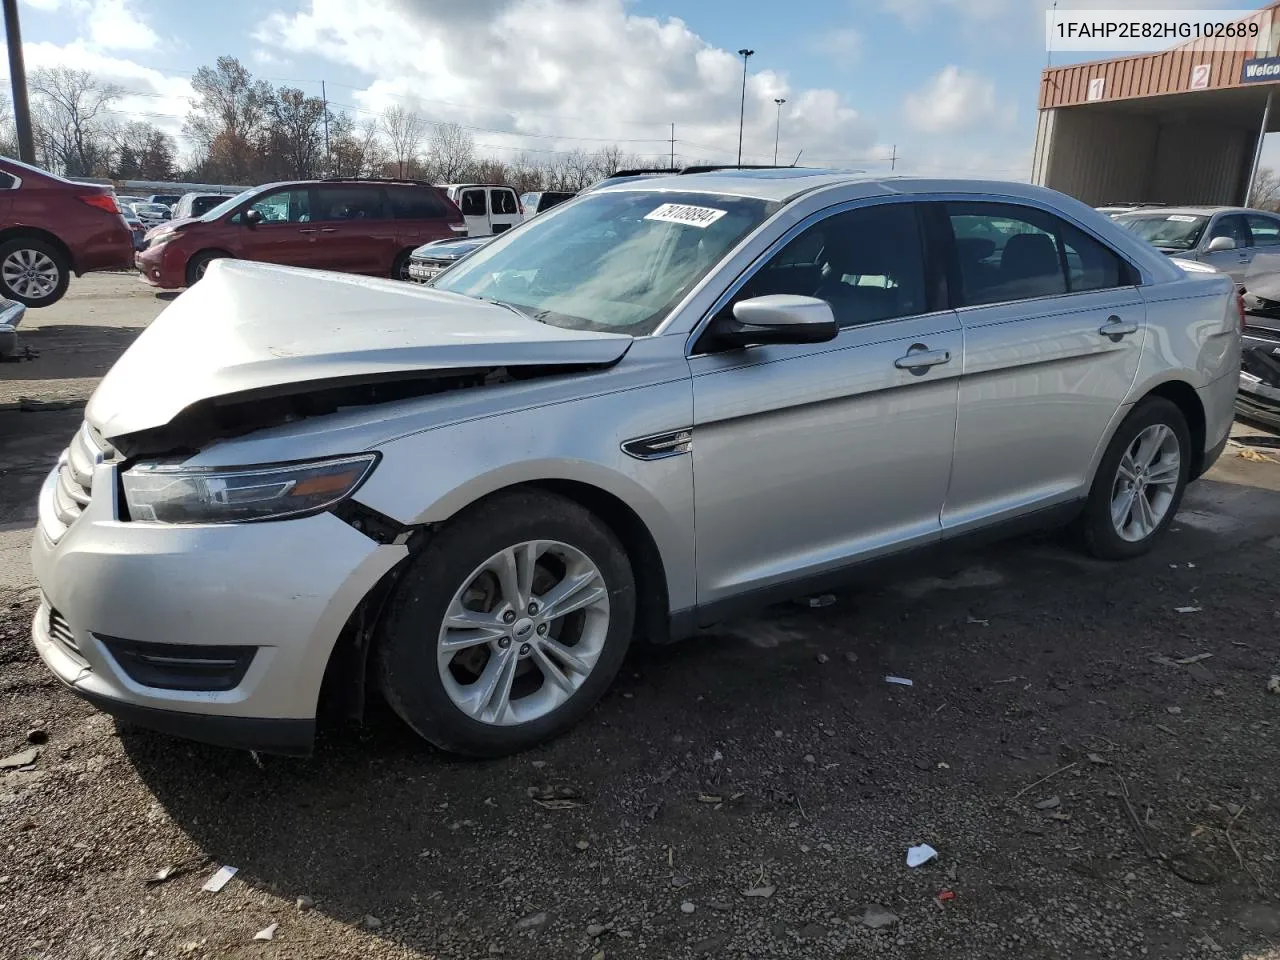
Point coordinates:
pixel 784 184
pixel 1199 211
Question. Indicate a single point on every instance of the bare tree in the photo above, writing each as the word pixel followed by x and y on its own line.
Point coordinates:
pixel 356 150
pixel 8 129
pixel 69 113
pixel 295 137
pixel 1266 190
pixel 450 152
pixel 142 152
pixel 228 119
pixel 404 130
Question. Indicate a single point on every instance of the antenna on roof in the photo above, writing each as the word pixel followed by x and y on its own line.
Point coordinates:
pixel 797 159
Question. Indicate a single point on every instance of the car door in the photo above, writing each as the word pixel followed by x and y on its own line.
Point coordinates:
pixel 504 209
pixel 1053 330
pixel 421 215
pixel 354 230
pixel 285 233
pixel 474 204
pixel 809 457
pixel 1235 261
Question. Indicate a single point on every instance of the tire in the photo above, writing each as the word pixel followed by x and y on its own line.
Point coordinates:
pixel 1100 532
pixel 400 267
pixel 428 687
pixel 33 271
pixel 197 265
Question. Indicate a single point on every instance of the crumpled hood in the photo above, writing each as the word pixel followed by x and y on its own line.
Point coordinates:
pixel 1262 278
pixel 250 329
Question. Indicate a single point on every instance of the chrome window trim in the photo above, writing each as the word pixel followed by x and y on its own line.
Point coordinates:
pixel 1145 278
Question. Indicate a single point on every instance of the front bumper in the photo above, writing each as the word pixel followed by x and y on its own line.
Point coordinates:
pixel 284 588
pixel 1258 399
pixel 424 271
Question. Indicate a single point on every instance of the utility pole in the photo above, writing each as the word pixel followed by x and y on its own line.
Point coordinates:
pixel 893 160
pixel 328 157
pixel 744 53
pixel 777 130
pixel 18 83
pixel 673 146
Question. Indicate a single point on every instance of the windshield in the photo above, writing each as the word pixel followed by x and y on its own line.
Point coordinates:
pixel 612 261
pixel 1176 231
pixel 226 206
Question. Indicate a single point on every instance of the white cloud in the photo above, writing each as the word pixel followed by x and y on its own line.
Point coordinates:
pixel 43 4
pixel 549 74
pixel 956 100
pixel 114 25
pixel 149 94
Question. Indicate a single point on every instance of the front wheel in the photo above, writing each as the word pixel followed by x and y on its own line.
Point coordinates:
pixel 33 272
pixel 198 264
pixel 400 268
pixel 509 625
pixel 1139 483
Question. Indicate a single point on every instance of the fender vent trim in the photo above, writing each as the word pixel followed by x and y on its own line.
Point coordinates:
pixel 660 445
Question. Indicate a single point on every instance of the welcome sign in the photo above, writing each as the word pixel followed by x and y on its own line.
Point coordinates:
pixel 1263 70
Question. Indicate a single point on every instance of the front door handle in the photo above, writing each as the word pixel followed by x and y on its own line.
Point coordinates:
pixel 1117 329
pixel 328 229
pixel 919 357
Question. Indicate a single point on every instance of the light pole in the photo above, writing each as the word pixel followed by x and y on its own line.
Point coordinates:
pixel 744 53
pixel 777 130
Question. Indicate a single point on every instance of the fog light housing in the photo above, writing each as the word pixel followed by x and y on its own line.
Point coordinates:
pixel 180 666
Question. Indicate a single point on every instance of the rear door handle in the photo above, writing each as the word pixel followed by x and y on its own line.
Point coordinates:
pixel 307 230
pixel 920 356
pixel 328 229
pixel 1115 328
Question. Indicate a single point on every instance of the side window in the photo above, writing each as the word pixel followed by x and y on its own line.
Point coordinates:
pixel 415 203
pixel 1233 226
pixel 6 180
pixel 530 202
pixel 1005 252
pixel 285 206
pixel 866 263
pixel 504 201
pixel 1265 230
pixel 350 203
pixel 473 203
pixel 1090 264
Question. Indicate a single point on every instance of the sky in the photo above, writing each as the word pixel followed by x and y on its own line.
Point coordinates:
pixel 947 87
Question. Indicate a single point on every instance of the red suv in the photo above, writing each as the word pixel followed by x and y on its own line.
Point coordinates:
pixel 51 228
pixel 356 226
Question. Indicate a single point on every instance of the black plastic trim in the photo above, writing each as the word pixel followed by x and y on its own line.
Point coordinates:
pixel 268 735
pixel 377 526
pixel 685 622
pixel 181 666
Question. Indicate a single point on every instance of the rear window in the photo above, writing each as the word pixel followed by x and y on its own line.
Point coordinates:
pixel 416 203
pixel 202 205
pixel 6 180
pixel 504 201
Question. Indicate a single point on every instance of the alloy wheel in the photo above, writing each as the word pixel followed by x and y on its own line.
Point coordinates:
pixel 523 632
pixel 30 273
pixel 1146 483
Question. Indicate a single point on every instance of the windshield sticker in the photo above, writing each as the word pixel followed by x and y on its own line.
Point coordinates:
pixel 1181 218
pixel 700 217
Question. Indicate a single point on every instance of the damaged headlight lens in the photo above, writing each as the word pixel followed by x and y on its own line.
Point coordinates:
pixel 170 493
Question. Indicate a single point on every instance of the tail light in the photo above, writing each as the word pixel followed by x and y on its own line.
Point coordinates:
pixel 103 201
pixel 1240 309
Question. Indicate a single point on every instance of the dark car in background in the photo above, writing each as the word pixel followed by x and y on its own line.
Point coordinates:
pixel 352 226
pixel 50 228
pixel 540 201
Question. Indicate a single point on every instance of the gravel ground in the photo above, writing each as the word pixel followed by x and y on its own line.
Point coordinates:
pixel 1093 784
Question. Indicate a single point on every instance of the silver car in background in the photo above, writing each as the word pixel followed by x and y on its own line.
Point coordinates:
pixel 1226 238
pixel 473 494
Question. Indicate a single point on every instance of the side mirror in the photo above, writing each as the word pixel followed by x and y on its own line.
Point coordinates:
pixel 253 217
pixel 1221 243
pixel 777 318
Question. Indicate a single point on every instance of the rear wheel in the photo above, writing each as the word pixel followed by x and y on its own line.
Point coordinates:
pixel 508 626
pixel 198 264
pixel 33 272
pixel 1139 483
pixel 400 268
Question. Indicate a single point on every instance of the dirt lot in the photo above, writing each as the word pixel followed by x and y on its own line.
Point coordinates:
pixel 1097 771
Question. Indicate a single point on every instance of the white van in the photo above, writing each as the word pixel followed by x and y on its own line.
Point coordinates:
pixel 487 208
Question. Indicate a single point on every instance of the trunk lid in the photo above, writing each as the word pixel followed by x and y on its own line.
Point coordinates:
pixel 251 331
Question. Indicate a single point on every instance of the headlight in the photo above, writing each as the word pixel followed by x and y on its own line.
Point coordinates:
pixel 168 493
